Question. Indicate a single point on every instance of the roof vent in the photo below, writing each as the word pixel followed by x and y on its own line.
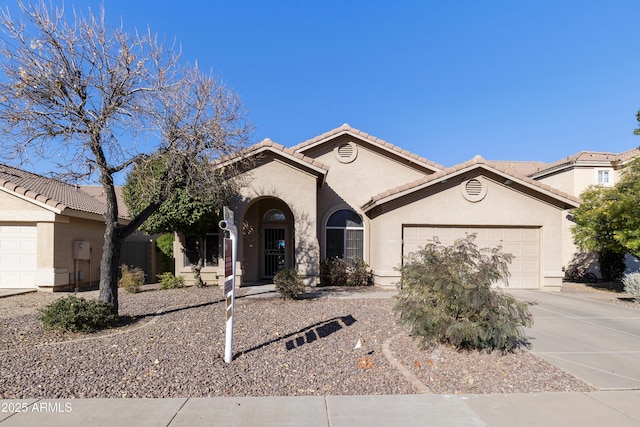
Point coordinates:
pixel 474 189
pixel 346 152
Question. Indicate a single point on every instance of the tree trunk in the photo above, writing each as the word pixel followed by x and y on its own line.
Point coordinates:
pixel 109 266
pixel 197 268
pixel 111 248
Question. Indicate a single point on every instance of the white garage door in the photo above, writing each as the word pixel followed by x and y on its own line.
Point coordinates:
pixel 18 252
pixel 522 242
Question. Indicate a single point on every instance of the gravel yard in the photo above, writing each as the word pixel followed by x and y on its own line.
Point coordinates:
pixel 283 348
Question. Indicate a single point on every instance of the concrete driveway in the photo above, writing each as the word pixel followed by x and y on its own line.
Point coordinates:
pixel 595 341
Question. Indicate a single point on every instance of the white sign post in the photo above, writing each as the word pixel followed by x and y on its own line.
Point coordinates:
pixel 230 245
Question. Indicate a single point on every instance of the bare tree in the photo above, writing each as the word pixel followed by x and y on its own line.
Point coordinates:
pixel 79 93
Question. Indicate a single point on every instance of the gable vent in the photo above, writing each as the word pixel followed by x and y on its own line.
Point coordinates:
pixel 473 187
pixel 346 153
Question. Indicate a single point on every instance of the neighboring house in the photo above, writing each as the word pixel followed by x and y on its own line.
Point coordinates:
pixel 346 193
pixel 574 175
pixel 51 233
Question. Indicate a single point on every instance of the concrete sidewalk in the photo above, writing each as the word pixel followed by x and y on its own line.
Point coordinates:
pixel 620 408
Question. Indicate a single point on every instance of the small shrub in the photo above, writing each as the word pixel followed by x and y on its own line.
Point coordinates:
pixel 169 281
pixel 130 279
pixel 358 273
pixel 333 272
pixel 631 284
pixel 445 295
pixel 339 272
pixel 78 315
pixel 288 283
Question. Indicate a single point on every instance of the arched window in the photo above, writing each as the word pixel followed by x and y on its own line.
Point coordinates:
pixel 274 215
pixel 345 235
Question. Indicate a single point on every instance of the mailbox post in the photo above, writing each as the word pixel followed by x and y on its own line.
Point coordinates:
pixel 230 245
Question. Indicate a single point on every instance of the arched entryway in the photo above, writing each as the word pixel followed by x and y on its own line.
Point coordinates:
pixel 268 239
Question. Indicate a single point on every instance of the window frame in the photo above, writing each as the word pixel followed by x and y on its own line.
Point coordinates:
pixel 606 174
pixel 344 235
pixel 215 260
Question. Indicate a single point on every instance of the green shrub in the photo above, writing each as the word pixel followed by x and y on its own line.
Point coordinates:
pixel 631 284
pixel 78 315
pixel 445 295
pixel 130 279
pixel 169 281
pixel 333 272
pixel 288 283
pixel 339 272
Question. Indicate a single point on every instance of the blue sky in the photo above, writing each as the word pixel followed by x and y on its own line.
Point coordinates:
pixel 509 80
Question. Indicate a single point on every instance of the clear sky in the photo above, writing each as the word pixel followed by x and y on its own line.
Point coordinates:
pixel 509 80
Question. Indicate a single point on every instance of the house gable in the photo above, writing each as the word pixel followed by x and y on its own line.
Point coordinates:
pixel 339 137
pixel 462 173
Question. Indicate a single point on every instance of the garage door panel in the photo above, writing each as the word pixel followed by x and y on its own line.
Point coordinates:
pixel 522 242
pixel 18 256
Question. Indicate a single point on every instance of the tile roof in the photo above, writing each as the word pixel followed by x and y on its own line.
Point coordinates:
pixel 444 174
pixel 589 157
pixel 345 128
pixel 97 192
pixel 51 192
pixel 291 152
pixel 268 144
pixel 629 154
pixel 525 168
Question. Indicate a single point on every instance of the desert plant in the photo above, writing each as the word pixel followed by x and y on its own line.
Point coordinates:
pixel 631 284
pixel 131 279
pixel 288 283
pixel 358 273
pixel 340 272
pixel 78 315
pixel 446 295
pixel 169 281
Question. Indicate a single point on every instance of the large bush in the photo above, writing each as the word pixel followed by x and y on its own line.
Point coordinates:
pixel 340 272
pixel 446 295
pixel 78 315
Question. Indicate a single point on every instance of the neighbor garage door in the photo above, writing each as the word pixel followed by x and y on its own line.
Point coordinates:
pixel 18 251
pixel 522 242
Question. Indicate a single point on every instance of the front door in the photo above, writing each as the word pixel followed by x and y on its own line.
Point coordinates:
pixel 274 251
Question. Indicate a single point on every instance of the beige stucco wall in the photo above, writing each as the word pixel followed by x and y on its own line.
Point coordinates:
pixel 351 185
pixel 56 233
pixel 285 181
pixel 370 173
pixel 69 230
pixel 444 204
